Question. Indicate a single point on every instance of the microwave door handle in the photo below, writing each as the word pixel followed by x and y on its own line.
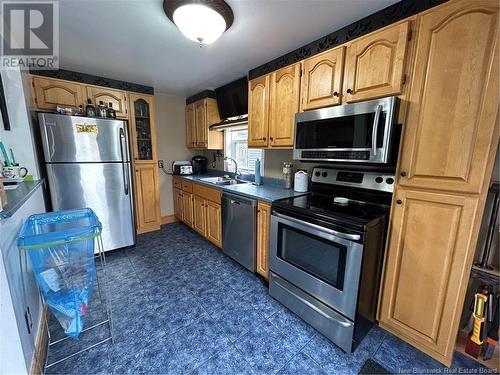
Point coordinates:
pixel 346 236
pixel 378 110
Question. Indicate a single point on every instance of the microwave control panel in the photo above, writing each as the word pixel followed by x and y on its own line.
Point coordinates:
pixel 347 155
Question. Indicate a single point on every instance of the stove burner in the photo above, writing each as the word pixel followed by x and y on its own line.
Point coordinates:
pixel 342 201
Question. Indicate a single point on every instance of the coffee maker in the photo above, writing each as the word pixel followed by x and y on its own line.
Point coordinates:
pixel 199 164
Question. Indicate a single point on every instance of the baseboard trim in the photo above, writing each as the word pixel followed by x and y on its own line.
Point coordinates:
pixel 38 364
pixel 168 219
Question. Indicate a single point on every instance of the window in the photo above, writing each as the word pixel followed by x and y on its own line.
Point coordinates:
pixel 236 146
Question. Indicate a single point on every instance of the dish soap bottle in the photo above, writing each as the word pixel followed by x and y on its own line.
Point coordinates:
pixel 111 111
pixel 89 109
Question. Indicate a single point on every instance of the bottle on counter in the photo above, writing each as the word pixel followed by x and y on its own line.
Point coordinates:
pixel 287 175
pixel 90 109
pixel 111 112
pixel 258 178
pixel 102 110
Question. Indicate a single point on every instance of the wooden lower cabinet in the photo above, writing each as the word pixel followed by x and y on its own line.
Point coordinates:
pixel 263 224
pixel 187 208
pixel 198 206
pixel 214 223
pixel 147 197
pixel 178 203
pixel 429 255
pixel 200 215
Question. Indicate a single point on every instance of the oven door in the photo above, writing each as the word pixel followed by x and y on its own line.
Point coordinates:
pixel 359 132
pixel 321 261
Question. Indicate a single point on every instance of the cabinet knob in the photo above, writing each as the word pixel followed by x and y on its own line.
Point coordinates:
pixel 399 201
pixel 271 138
pixel 349 91
pixel 263 138
pixel 336 93
pixel 403 174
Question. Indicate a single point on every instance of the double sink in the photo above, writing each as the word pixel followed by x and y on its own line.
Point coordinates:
pixel 223 181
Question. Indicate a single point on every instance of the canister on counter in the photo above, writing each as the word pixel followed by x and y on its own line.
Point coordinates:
pixel 301 182
pixel 287 174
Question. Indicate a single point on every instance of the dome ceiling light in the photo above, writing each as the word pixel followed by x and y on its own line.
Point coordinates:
pixel 202 21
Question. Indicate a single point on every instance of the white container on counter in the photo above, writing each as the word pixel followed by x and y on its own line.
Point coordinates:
pixel 301 182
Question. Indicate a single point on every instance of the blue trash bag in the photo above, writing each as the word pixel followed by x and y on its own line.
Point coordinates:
pixel 60 246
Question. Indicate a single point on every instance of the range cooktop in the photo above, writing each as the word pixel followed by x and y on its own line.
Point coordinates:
pixel 353 199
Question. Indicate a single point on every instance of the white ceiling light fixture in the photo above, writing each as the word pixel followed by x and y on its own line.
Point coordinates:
pixel 202 21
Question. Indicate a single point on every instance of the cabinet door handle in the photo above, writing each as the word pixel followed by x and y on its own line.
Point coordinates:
pixel 263 138
pixel 399 201
pixel 271 138
pixel 349 91
pixel 336 93
pixel 403 174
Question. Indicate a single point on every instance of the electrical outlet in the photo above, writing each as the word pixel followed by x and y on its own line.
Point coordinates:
pixel 160 164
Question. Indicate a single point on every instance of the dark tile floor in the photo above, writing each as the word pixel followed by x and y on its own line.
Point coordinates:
pixel 181 307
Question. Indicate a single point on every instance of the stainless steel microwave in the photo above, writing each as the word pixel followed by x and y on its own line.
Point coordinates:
pixel 355 133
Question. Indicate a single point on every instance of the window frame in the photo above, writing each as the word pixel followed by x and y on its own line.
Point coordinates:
pixel 227 148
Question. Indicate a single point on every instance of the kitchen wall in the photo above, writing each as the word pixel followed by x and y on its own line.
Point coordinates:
pixel 19 138
pixel 171 132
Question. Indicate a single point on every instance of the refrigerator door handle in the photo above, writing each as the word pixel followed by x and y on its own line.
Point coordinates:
pixel 126 177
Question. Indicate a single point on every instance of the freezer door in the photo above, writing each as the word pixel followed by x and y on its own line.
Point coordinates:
pixel 73 139
pixel 100 187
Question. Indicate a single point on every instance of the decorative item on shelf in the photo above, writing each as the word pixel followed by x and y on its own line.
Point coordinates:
pixel 102 110
pixel 287 174
pixel 4 154
pixel 111 112
pixel 202 21
pixel 473 346
pixel 68 111
pixel 90 109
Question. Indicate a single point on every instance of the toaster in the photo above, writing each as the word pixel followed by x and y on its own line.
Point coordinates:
pixel 182 167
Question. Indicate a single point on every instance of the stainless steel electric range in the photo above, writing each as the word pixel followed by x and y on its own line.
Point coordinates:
pixel 326 251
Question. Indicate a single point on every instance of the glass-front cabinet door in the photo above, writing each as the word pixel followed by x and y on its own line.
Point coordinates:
pixel 142 127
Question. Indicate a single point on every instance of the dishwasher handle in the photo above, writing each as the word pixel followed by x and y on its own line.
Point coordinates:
pixel 238 199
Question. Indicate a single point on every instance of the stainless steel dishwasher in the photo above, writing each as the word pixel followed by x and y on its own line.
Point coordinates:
pixel 239 221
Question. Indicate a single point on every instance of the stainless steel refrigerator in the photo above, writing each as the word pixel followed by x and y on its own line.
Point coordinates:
pixel 88 165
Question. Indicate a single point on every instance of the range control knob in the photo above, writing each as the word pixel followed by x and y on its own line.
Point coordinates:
pixel 317 174
pixel 379 180
pixel 389 180
pixel 324 174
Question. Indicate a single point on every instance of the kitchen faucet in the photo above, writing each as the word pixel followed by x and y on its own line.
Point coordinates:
pixel 237 173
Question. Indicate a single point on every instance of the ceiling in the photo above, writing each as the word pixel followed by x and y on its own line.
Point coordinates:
pixel 133 40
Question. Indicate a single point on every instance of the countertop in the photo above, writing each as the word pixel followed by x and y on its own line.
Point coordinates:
pixel 18 196
pixel 266 192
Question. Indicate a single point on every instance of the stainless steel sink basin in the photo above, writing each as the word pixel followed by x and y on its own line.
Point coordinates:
pixel 223 181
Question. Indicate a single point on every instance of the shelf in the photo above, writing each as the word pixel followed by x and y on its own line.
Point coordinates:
pixel 143 117
pixel 462 338
pixel 488 276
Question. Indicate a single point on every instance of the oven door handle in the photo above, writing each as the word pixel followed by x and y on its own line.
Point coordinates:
pixel 343 323
pixel 376 119
pixel 347 236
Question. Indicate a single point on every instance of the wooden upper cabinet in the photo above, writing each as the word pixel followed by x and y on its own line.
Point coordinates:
pixel 190 126
pixel 258 111
pixel 451 130
pixel 49 93
pixel 322 79
pixel 143 127
pixel 116 97
pixel 147 198
pixel 429 255
pixel 200 111
pixel 375 64
pixel 284 104
pixel 199 116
